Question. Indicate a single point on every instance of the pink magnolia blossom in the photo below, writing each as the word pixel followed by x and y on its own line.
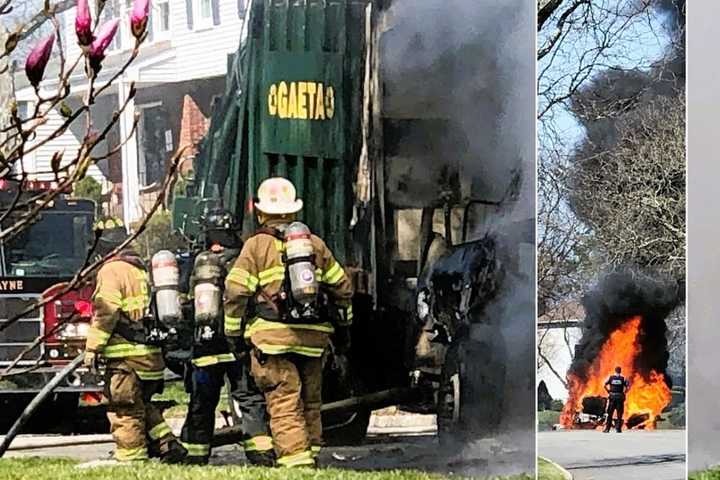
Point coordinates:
pixel 139 17
pixel 83 24
pixel 38 60
pixel 102 41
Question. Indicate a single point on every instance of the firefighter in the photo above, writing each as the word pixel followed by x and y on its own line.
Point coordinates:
pixel 212 360
pixel 616 386
pixel 133 368
pixel 287 347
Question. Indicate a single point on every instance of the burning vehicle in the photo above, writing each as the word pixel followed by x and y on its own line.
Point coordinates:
pixel 625 326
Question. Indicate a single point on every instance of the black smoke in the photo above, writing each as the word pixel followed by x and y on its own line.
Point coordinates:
pixel 616 298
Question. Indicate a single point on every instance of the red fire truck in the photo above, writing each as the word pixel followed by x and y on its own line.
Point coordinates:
pixel 37 264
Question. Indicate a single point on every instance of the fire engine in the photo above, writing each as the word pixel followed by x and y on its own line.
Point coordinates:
pixel 36 264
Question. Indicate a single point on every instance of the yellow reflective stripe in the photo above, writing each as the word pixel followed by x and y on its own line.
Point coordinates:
pixel 261 443
pixel 349 313
pixel 134 303
pixel 148 375
pixel 197 449
pixel 260 325
pixel 333 275
pixel 131 454
pixel 233 323
pixel 272 274
pixel 121 350
pixel 297 460
pixel 208 360
pixel 97 336
pixel 159 431
pixel 243 277
pixel 315 449
pixel 113 297
pixel 279 245
pixel 282 349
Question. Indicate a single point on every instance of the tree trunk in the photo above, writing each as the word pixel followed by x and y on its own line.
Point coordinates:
pixel 7 90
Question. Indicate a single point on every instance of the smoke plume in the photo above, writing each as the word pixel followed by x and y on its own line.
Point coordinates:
pixel 458 79
pixel 616 298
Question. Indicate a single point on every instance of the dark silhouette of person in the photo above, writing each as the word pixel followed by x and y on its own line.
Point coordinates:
pixel 616 386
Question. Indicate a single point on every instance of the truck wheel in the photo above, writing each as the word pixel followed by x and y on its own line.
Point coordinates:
pixel 472 383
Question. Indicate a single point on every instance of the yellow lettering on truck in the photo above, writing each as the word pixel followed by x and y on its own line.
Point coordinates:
pixel 301 100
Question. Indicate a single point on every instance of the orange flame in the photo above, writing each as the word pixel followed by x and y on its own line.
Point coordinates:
pixel 648 394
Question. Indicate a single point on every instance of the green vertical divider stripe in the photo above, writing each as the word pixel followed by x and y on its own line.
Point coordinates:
pixel 299 176
pixel 315 33
pixel 281 170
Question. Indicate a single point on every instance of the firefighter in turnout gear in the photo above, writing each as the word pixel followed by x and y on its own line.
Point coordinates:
pixel 212 359
pixel 133 368
pixel 269 303
pixel 616 386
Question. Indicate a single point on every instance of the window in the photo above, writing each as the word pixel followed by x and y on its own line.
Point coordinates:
pixel 161 14
pixel 24 109
pixel 152 143
pixel 115 9
pixel 204 16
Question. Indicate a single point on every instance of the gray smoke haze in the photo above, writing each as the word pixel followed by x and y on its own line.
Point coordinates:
pixel 466 68
pixel 471 64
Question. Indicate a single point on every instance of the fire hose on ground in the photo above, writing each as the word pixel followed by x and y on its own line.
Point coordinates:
pixel 372 401
pixel 37 401
pixel 224 436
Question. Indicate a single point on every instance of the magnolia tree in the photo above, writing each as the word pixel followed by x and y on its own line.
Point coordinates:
pixel 19 134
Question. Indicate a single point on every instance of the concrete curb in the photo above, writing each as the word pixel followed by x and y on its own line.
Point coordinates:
pixel 565 473
pixel 31 443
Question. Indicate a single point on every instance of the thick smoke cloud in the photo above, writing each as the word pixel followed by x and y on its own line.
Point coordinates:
pixel 616 298
pixel 465 68
pixel 469 63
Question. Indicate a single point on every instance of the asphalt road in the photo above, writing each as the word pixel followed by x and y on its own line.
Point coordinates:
pixel 634 455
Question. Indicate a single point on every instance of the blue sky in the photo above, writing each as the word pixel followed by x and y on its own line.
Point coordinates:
pixel 646 40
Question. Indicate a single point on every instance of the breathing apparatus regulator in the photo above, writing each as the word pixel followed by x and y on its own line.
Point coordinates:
pixel 302 286
pixel 209 275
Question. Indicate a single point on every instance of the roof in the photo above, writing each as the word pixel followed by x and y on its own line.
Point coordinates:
pixel 571 310
pixel 111 64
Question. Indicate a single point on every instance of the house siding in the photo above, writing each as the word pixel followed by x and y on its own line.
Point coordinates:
pixel 40 160
pixel 199 53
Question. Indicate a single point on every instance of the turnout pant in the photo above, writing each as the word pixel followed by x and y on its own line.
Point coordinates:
pixel 205 385
pixel 134 421
pixel 292 385
pixel 615 405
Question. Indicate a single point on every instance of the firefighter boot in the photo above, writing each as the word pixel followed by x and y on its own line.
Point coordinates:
pixel 174 453
pixel 618 425
pixel 261 458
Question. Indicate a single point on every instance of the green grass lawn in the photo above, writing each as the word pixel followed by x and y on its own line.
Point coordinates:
pixel 712 474
pixel 548 471
pixel 59 469
pixel 175 391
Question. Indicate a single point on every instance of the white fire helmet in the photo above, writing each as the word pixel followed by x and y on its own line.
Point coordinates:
pixel 277 196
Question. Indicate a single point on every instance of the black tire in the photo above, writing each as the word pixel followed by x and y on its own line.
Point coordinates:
pixel 472 384
pixel 343 428
pixel 348 429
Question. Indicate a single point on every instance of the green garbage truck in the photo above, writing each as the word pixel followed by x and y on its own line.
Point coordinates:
pixel 305 98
